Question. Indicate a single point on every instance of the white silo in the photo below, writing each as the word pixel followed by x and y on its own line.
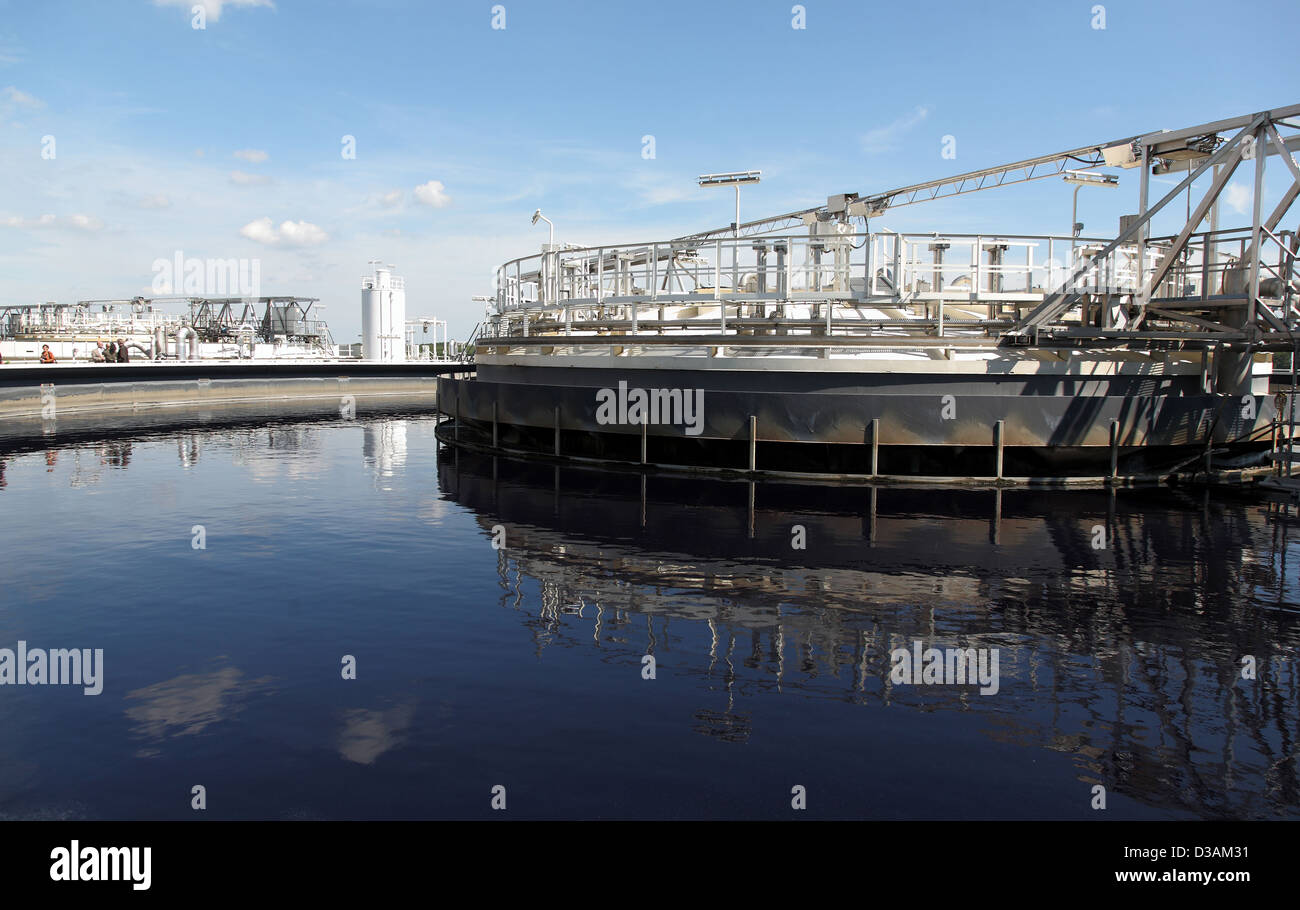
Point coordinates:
pixel 383 315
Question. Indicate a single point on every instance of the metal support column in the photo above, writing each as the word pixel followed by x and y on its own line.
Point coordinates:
pixel 875 446
pixel 1114 450
pixel 999 431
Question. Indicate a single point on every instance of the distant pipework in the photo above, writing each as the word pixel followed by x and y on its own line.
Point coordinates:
pixel 187 334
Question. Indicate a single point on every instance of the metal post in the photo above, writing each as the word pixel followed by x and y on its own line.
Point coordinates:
pixel 717 285
pixel 898 266
pixel 875 446
pixel 644 442
pixel 654 271
pixel 999 429
pixel 1261 152
pixel 997 517
pixel 1276 435
pixel 1143 184
pixel 1050 284
pixel 1290 423
pixel 1114 450
pixel 753 442
pixel 869 279
pixel 1205 265
pixel 1074 219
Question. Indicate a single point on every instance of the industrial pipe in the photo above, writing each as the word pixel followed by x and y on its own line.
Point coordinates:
pixel 187 333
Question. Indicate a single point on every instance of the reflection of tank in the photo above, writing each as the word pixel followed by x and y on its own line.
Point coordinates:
pixel 384 448
pixel 1125 657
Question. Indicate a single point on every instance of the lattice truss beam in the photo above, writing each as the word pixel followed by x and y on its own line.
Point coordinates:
pixel 1257 138
pixel 1198 149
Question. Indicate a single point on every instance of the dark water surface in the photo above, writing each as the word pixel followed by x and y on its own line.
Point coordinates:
pixel 522 667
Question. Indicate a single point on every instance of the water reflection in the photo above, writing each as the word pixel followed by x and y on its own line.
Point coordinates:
pixel 771 609
pixel 186 705
pixel 384 449
pixel 1126 656
pixel 368 734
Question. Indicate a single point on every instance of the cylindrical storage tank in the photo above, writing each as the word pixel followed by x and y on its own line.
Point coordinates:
pixel 383 317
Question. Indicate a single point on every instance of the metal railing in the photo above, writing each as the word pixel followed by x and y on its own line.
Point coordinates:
pixel 370 283
pixel 78 320
pixel 833 266
pixel 835 282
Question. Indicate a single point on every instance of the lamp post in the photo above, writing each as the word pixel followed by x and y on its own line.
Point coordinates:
pixel 538 216
pixel 1081 179
pixel 733 178
pixel 547 254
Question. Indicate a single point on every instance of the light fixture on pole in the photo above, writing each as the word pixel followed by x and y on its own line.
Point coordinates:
pixel 1082 179
pixel 735 178
pixel 547 287
pixel 538 216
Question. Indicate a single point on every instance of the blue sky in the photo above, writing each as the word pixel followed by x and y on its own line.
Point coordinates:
pixel 225 142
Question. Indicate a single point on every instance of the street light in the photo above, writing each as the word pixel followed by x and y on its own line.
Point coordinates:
pixel 734 178
pixel 547 254
pixel 1082 179
pixel 538 216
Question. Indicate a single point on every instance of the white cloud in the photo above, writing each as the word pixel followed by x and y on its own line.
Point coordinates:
pixel 289 233
pixel 212 8
pixel 22 99
pixel 243 179
pixel 1238 197
pixel 157 201
pixel 66 222
pixel 389 200
pixel 252 156
pixel 885 138
pixel 432 193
